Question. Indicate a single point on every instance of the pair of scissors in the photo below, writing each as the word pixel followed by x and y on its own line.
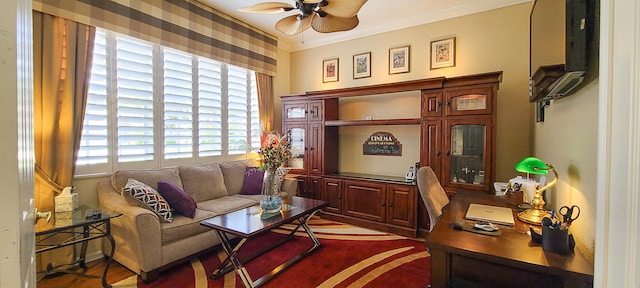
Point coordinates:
pixel 568 215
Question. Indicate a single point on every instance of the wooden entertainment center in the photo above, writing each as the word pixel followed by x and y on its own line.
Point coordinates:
pixel 457 140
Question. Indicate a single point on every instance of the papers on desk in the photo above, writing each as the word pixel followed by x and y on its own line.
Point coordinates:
pixel 493 214
pixel 500 188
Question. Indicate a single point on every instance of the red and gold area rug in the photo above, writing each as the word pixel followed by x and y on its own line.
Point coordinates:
pixel 350 257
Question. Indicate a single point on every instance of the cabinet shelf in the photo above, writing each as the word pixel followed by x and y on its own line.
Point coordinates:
pixel 338 123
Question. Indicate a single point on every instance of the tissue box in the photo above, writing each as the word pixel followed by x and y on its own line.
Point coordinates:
pixel 63 219
pixel 66 202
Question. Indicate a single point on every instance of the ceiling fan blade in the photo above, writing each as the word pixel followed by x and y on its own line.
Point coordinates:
pixel 343 8
pixel 267 8
pixel 291 25
pixel 311 1
pixel 331 23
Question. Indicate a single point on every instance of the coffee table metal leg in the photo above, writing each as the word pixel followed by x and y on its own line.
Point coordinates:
pixel 305 226
pixel 232 257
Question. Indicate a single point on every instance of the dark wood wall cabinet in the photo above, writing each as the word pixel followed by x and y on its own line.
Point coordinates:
pixel 458 138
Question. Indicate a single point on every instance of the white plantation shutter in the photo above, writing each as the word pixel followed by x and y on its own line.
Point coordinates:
pixel 256 129
pixel 209 107
pixel 238 110
pixel 178 103
pixel 146 100
pixel 94 145
pixel 135 104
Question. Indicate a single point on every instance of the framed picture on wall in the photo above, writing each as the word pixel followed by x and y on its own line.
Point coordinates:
pixel 330 70
pixel 362 65
pixel 399 59
pixel 443 53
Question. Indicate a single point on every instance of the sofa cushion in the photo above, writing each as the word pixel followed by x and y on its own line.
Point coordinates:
pixel 203 182
pixel 149 197
pixel 233 172
pixel 183 227
pixel 226 204
pixel 179 200
pixel 252 184
pixel 150 177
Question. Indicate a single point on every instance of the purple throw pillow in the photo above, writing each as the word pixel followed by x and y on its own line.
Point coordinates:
pixel 252 184
pixel 179 200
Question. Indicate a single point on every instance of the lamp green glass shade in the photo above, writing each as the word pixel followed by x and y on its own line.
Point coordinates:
pixel 532 165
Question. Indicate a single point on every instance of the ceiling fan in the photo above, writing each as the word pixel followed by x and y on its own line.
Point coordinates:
pixel 324 16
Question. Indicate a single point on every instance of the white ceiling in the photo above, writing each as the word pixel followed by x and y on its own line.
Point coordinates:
pixel 376 16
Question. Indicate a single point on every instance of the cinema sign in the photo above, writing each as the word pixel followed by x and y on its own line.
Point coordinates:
pixel 382 143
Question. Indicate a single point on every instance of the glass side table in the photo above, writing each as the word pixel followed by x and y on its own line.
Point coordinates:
pixel 69 228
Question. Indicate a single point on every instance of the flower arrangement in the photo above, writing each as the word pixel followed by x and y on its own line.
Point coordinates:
pixel 275 151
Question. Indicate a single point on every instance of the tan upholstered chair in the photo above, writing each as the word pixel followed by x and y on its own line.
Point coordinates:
pixel 432 194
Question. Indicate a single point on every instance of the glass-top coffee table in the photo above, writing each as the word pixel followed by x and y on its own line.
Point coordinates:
pixel 249 222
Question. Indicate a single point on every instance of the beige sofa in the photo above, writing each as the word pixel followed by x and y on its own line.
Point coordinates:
pixel 145 244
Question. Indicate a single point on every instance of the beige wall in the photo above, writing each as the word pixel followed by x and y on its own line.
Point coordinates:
pixel 495 40
pixel 567 139
pixel 281 86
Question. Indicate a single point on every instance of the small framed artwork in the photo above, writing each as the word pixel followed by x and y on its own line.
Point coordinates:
pixel 330 70
pixel 399 59
pixel 362 65
pixel 443 53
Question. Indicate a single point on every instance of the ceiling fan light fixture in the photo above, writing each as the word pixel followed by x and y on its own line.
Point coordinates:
pixel 334 15
pixel 293 25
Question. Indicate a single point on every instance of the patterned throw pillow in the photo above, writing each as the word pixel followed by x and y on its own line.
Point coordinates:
pixel 150 198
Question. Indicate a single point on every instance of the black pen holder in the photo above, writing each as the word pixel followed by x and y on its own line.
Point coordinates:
pixel 557 240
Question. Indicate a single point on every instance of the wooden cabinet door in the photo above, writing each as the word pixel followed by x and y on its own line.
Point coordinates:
pixel 316 110
pixel 314 151
pixel 315 187
pixel 467 160
pixel 401 205
pixel 431 147
pixel 295 111
pixel 332 190
pixel 303 189
pixel 365 200
pixel 470 101
pixel 431 104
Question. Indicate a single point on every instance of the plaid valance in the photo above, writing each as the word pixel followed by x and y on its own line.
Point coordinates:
pixel 186 25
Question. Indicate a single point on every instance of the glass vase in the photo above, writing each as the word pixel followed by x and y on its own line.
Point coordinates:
pixel 270 198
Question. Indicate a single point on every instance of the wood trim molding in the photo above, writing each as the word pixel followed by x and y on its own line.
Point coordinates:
pixel 617 252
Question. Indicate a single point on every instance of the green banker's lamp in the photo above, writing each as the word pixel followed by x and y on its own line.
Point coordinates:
pixel 532 165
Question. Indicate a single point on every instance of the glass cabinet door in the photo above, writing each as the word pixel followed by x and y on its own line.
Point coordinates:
pixel 467 149
pixel 295 111
pixel 296 135
pixel 469 101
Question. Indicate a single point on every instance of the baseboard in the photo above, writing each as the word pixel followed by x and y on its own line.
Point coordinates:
pixel 93 256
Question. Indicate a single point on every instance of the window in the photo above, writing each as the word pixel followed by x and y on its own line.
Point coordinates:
pixel 151 106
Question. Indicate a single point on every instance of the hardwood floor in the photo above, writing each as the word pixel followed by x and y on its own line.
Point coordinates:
pixel 116 273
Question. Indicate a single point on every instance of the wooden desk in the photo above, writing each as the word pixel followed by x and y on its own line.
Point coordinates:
pixel 459 258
